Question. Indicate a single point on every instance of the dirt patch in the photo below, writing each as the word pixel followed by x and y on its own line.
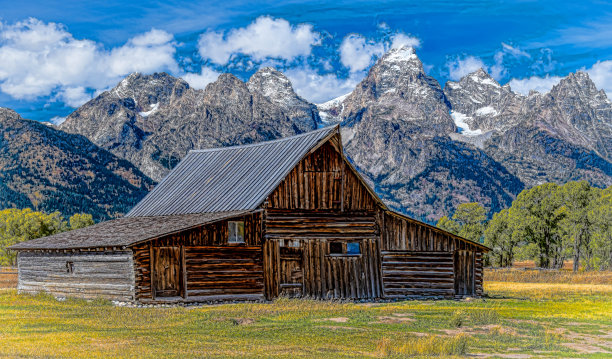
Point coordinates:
pixel 588 343
pixel 403 315
pixel 335 320
pixel 509 356
pixel 584 348
pixel 243 321
pixel 338 327
pixel 419 334
pixel 394 320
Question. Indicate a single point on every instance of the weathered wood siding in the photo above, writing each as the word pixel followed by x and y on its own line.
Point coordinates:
pixel 322 201
pixel 211 268
pixel 217 271
pixel 298 261
pixel 419 260
pixel 106 274
pixel 409 273
pixel 322 181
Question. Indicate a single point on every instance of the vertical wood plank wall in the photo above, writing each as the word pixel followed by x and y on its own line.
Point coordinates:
pixel 319 202
pixel 322 181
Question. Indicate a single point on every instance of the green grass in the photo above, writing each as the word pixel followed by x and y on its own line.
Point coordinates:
pixel 518 319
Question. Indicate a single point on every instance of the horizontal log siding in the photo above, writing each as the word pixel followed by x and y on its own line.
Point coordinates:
pixel 408 273
pixel 224 270
pixel 322 181
pixel 319 224
pixel 107 275
pixel 214 235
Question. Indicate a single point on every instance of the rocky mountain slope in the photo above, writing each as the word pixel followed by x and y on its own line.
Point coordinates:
pixel 395 128
pixel 560 136
pixel 47 169
pixel 152 121
pixel 425 149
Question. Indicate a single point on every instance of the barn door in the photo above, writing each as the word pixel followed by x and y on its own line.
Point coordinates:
pixel 291 271
pixel 166 271
pixel 464 272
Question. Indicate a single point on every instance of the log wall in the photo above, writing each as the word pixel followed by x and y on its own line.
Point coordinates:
pixel 107 274
pixel 409 273
pixel 420 260
pixel 211 268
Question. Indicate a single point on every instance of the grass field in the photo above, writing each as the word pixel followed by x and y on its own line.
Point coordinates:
pixel 517 320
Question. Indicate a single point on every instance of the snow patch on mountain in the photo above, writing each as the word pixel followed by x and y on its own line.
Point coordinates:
pixel 460 121
pixel 401 54
pixel 486 111
pixel 153 106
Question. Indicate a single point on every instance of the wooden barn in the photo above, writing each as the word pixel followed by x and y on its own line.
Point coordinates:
pixel 289 217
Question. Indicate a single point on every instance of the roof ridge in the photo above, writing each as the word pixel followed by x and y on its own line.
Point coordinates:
pixel 263 143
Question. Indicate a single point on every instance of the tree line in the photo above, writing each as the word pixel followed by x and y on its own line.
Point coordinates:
pixel 549 224
pixel 18 225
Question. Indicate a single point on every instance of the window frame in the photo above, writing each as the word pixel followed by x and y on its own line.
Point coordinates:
pixel 344 246
pixel 235 240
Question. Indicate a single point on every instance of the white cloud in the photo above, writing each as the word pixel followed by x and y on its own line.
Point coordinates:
pixel 460 67
pixel 357 53
pixel 41 59
pixel 74 96
pixel 199 81
pixel 263 38
pixel 514 51
pixel 146 53
pixel 319 88
pixel 400 40
pixel 601 74
pixel 57 120
pixel 539 84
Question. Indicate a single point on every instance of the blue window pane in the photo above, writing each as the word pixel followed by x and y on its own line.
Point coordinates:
pixel 353 248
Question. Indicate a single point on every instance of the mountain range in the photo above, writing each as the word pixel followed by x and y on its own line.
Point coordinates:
pixel 424 148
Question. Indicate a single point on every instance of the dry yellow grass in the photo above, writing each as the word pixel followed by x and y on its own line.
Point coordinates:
pixel 562 276
pixel 8 277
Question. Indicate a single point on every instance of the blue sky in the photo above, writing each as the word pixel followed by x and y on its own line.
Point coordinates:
pixel 55 55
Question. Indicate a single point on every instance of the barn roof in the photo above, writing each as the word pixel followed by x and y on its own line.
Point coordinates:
pixel 228 178
pixel 124 231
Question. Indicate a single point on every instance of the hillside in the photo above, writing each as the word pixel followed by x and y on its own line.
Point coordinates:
pixel 50 170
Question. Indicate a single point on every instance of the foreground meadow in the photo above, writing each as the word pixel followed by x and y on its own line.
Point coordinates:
pixel 517 320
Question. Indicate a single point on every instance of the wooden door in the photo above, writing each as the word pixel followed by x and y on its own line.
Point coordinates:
pixel 167 271
pixel 464 272
pixel 291 271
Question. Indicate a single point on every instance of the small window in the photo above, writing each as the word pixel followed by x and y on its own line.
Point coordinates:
pixel 70 267
pixel 353 248
pixel 344 248
pixel 235 232
pixel 335 248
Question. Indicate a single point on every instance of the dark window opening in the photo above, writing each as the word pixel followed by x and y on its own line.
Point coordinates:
pixel 70 267
pixel 335 248
pixel 235 232
pixel 345 248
